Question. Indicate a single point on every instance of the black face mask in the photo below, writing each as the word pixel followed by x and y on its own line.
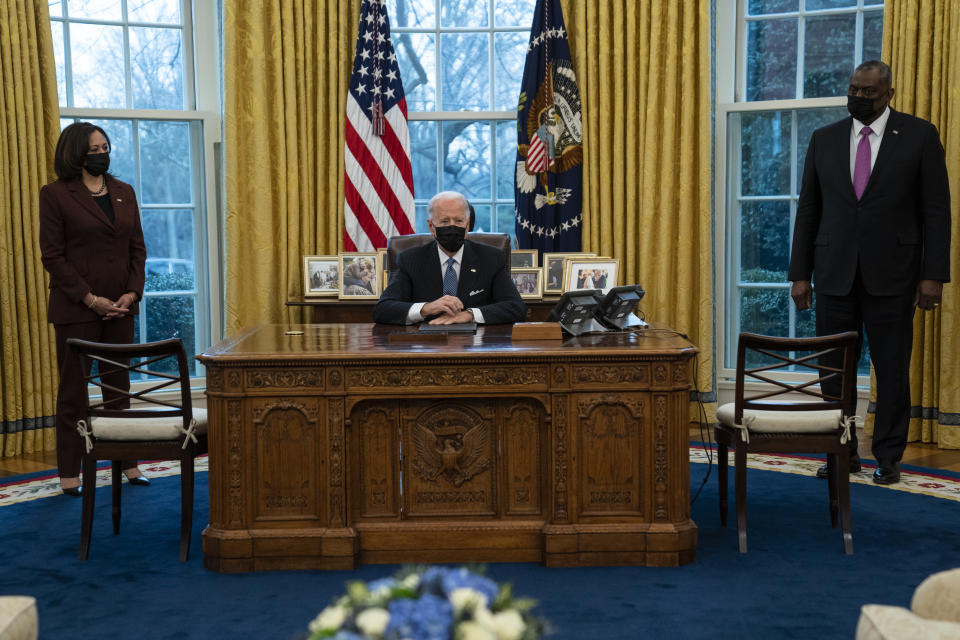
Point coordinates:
pixel 450 237
pixel 97 163
pixel 860 108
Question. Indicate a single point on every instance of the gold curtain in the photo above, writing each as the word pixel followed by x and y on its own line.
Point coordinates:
pixel 29 127
pixel 286 70
pixel 644 73
pixel 921 45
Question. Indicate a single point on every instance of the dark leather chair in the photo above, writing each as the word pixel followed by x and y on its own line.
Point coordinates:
pixel 397 244
pixel 766 420
pixel 154 427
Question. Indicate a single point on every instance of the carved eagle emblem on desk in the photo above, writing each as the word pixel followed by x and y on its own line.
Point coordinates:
pixel 455 453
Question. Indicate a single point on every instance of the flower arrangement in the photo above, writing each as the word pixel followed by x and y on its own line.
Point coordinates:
pixel 435 603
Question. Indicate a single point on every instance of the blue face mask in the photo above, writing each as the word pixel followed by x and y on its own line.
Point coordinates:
pixel 97 164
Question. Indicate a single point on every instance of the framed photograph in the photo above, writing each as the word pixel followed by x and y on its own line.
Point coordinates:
pixel 523 258
pixel 590 273
pixel 360 276
pixel 382 262
pixel 553 270
pixel 321 276
pixel 529 282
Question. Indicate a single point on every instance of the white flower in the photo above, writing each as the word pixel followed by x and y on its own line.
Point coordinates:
pixel 411 581
pixel 509 625
pixel 467 598
pixel 473 631
pixel 373 621
pixel 329 619
pixel 483 617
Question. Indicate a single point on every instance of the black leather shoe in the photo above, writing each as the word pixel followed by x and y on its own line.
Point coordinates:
pixel 887 473
pixel 76 492
pixel 139 481
pixel 854 468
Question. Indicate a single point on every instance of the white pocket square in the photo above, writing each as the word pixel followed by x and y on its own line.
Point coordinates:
pixel 473 293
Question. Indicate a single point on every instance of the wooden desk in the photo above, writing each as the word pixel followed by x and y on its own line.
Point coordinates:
pixel 332 310
pixel 340 446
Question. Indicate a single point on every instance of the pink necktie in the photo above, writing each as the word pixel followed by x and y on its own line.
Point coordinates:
pixel 861 167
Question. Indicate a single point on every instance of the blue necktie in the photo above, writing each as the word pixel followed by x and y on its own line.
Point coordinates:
pixel 450 279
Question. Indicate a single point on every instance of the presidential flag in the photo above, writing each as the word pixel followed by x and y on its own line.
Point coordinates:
pixel 549 173
pixel 378 178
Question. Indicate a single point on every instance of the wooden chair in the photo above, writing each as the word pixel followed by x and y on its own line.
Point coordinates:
pixel 765 420
pixel 398 244
pixel 121 424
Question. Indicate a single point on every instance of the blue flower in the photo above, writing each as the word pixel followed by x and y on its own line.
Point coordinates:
pixel 429 618
pixel 389 583
pixel 348 635
pixel 461 578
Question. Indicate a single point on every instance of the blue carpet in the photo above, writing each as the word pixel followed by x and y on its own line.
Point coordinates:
pixel 794 583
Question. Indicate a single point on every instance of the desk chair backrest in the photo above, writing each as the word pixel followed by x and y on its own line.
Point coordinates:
pixel 397 244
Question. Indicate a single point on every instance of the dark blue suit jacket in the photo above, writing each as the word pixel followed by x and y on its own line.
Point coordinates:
pixel 484 283
pixel 898 232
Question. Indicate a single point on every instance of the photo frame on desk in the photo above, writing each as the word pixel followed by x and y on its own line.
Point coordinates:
pixel 321 276
pixel 590 273
pixel 360 276
pixel 523 258
pixel 529 282
pixel 553 270
pixel 382 264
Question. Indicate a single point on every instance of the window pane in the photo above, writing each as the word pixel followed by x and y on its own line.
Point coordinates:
pixel 96 56
pixel 463 13
pixel 156 68
pixel 162 11
pixel 165 163
pixel 506 158
pixel 772 59
pixel 506 220
pixel 56 29
pixel 416 56
pixel 423 146
pixel 872 34
pixel 422 218
pixel 765 153
pixel 172 317
pixel 411 13
pixel 514 13
pixel 169 238
pixel 764 241
pixel 96 9
pixel 465 69
pixel 484 221
pixel 816 5
pixel 760 7
pixel 120 133
pixel 466 158
pixel 828 55
pixel 765 311
pixel 509 54
pixel 56 7
pixel 808 121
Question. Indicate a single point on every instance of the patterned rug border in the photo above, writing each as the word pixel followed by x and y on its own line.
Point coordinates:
pixel 33 487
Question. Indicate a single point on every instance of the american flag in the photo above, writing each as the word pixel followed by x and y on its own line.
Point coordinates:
pixel 378 178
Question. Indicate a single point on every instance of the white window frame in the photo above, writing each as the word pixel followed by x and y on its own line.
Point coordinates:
pixel 730 45
pixel 203 82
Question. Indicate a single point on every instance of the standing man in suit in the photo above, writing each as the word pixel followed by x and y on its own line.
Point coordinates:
pixel 873 232
pixel 452 279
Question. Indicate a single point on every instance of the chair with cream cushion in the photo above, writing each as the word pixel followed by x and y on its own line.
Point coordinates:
pixel 774 411
pixel 156 422
pixel 934 613
pixel 18 618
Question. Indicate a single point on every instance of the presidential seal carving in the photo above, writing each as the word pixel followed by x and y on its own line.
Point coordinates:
pixel 452 443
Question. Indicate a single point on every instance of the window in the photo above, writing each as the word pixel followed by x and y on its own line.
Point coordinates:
pixel 793 61
pixel 461 63
pixel 128 66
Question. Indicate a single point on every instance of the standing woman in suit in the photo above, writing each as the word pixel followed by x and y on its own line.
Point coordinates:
pixel 91 243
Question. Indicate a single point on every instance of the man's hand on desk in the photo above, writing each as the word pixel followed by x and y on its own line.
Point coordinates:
pixel 447 305
pixel 447 318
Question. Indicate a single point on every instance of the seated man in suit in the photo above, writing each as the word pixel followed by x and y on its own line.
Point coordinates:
pixel 452 279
